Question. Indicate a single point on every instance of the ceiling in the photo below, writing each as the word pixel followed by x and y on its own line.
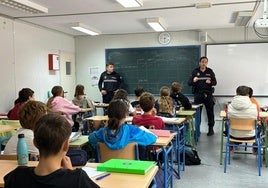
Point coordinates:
pixel 110 17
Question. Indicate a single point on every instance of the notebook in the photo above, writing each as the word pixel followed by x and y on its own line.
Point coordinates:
pixel 159 132
pixel 74 136
pixel 126 166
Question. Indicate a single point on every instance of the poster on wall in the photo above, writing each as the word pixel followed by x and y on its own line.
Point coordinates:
pixel 94 76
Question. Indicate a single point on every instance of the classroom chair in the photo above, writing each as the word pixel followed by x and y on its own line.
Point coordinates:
pixel 129 152
pixel 242 125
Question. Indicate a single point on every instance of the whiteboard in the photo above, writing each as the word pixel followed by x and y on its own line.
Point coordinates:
pixel 239 64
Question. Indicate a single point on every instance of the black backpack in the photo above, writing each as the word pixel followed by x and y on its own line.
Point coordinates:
pixel 191 156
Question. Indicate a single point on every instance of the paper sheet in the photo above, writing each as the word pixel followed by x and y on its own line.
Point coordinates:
pixel 92 172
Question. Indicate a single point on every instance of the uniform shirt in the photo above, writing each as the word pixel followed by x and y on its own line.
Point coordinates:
pixel 110 82
pixel 201 85
pixel 147 119
pixel 24 177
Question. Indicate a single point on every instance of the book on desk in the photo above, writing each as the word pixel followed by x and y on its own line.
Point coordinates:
pixel 126 166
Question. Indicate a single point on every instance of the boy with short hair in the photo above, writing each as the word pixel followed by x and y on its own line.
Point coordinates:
pixel 51 137
pixel 147 102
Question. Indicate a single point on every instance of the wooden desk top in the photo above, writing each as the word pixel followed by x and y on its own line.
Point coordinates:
pixel 81 141
pixel 185 113
pixel 101 105
pixel 115 180
pixel 262 114
pixel 176 120
pixel 164 141
pixel 195 106
pixel 7 128
pixel 97 118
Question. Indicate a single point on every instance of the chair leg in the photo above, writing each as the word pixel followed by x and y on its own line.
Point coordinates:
pixel 226 157
pixel 259 158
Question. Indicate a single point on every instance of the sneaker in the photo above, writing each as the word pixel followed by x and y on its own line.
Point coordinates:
pixel 210 131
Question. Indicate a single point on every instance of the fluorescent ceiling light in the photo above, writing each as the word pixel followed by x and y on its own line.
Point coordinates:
pixel 243 18
pixel 203 5
pixel 85 29
pixel 25 5
pixel 156 24
pixel 130 3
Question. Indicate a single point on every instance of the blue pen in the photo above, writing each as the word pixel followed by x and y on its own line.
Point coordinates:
pixel 103 176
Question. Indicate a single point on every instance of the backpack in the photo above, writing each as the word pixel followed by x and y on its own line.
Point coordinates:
pixel 191 156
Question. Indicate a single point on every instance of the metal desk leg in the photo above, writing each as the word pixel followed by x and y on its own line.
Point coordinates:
pixel 221 150
pixel 197 124
pixel 167 176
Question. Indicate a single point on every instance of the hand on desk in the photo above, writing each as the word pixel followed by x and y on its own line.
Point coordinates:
pixel 86 109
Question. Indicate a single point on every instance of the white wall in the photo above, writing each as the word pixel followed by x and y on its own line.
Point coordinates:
pixel 24 53
pixel 90 51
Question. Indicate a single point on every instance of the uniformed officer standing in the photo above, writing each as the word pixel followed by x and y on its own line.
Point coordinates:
pixel 202 81
pixel 109 82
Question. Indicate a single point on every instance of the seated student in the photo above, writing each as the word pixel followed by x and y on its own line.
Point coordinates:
pixel 138 91
pixel 242 107
pixel 123 95
pixel 148 118
pixel 51 137
pixel 24 95
pixel 180 99
pixel 58 104
pixel 80 99
pixel 29 113
pixel 118 134
pixel 164 105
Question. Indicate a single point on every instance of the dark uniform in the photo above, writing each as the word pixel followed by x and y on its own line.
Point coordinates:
pixel 110 83
pixel 203 91
pixel 181 100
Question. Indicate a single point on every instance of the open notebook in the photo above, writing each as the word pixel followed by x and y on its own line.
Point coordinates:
pixel 74 136
pixel 126 166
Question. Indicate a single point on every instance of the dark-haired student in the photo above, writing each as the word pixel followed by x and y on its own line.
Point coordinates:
pixel 148 118
pixel 180 99
pixel 118 134
pixel 138 91
pixel 51 137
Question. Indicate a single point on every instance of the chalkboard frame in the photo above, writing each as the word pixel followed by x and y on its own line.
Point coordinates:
pixel 194 59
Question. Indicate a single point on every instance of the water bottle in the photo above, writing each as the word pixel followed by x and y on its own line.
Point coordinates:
pixel 22 150
pixel 84 102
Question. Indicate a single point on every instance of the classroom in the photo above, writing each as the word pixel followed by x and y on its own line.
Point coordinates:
pixel 27 40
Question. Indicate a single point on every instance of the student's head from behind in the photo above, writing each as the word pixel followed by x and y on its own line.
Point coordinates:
pixel 110 67
pixel 164 91
pixel 25 94
pixel 242 90
pixel 57 91
pixel 138 91
pixel 147 101
pixel 176 87
pixel 30 112
pixel 117 111
pixel 121 94
pixel 250 93
pixel 50 132
pixel 79 90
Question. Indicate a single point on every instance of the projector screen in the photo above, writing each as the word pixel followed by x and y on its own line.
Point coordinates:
pixel 239 64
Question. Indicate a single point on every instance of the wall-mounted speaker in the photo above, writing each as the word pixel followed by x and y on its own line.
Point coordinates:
pixel 203 37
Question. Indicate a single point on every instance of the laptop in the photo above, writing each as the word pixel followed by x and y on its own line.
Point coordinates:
pixel 74 136
pixel 126 166
pixel 161 133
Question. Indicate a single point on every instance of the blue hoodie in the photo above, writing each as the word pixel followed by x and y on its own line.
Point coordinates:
pixel 126 134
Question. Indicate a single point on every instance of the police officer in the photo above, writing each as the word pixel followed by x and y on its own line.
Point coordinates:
pixel 109 82
pixel 202 81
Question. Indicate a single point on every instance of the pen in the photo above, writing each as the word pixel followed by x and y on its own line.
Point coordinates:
pixel 103 176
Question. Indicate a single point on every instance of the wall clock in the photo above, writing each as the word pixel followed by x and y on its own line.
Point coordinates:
pixel 164 38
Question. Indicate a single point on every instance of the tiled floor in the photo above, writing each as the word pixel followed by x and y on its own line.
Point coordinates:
pixel 241 173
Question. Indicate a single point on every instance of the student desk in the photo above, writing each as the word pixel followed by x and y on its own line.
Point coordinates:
pixel 7 128
pixel 167 148
pixel 197 108
pixel 189 114
pixel 79 143
pixel 100 105
pixel 115 180
pixel 263 115
pixel 95 122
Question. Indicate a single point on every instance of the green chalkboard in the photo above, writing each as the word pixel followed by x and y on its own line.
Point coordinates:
pixel 152 68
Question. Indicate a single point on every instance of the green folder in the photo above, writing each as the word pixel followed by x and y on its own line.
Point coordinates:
pixel 126 166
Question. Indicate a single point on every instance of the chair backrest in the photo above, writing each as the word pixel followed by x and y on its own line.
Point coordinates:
pixel 129 152
pixel 8 157
pixel 242 124
pixel 10 122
